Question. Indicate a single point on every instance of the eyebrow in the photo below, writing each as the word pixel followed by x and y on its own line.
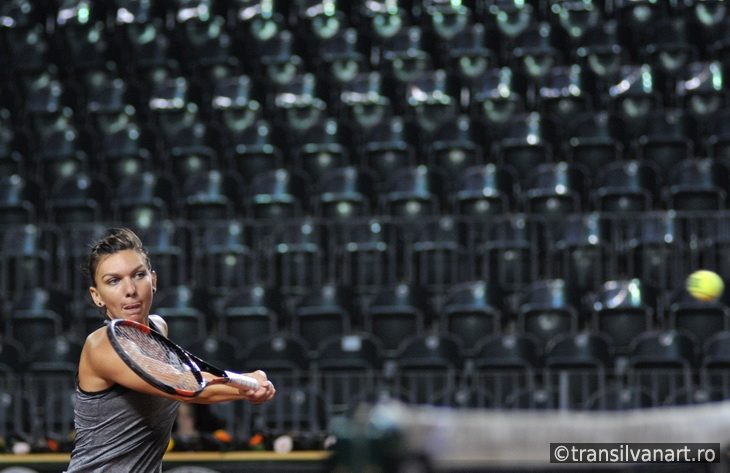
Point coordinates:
pixel 141 266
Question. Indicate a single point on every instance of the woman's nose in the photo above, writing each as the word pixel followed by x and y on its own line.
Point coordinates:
pixel 129 287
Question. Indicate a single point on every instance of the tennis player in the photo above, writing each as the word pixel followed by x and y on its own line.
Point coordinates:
pixel 123 424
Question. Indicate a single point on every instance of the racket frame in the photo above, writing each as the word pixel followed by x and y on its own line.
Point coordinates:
pixel 195 364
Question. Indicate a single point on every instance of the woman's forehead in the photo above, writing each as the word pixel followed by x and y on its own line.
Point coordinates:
pixel 121 261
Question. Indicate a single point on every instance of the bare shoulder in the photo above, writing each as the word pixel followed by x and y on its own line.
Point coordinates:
pixel 159 322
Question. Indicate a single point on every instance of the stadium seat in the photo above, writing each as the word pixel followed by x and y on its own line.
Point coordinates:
pixel 279 62
pixel 324 146
pixel 146 49
pixel 187 311
pixel 37 315
pixel 506 250
pixel 346 192
pixel 577 18
pixel 60 154
pixel 498 95
pixel 172 106
pixel 447 20
pixel 326 310
pixel 284 357
pixel 627 186
pixel 537 50
pixel 126 152
pixel 698 184
pixel 485 190
pixel 622 309
pixel 293 255
pixel 341 60
pixel 51 387
pixel 189 151
pixel 453 148
pixel 583 251
pixel 144 198
pixel 699 319
pixel 431 100
pixel 382 22
pixel 631 93
pixel 468 54
pixel 222 251
pixel 666 46
pixel 432 253
pixel 528 141
pixel 252 309
pixel 206 47
pixel 595 139
pixel 20 200
pixel 404 57
pixel 364 103
pixel 413 192
pixel 661 364
pixel 28 258
pixel 714 365
pixel 79 198
pixel 278 193
pixel 555 189
pixel 254 150
pixel 298 105
pixel 388 146
pixel 665 139
pixel 167 244
pixel 74 247
pixel 364 252
pixel 396 312
pixel 427 367
pixel 219 351
pixel 471 311
pixel 697 91
pixel 349 368
pixel 507 367
pixel 577 366
pixel 549 307
pixel 300 413
pixel 564 92
pixel 210 195
pixel 653 249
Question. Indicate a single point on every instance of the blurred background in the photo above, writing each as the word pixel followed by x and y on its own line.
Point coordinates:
pixel 477 203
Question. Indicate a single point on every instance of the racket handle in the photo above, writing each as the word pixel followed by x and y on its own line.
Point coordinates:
pixel 242 380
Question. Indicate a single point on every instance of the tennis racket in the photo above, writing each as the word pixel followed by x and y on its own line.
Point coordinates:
pixel 165 365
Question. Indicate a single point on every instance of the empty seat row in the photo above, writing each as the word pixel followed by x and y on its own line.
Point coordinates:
pixel 467 312
pixel 298 254
pixel 549 189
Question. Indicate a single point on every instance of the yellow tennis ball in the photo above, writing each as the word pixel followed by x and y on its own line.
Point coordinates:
pixel 705 285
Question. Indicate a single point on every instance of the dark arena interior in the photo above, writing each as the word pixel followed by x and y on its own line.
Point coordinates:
pixel 424 219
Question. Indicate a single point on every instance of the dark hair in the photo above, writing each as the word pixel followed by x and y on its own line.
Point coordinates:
pixel 113 241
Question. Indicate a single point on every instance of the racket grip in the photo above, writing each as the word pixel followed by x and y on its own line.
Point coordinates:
pixel 242 380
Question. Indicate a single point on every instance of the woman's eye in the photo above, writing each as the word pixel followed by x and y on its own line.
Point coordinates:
pixel 140 275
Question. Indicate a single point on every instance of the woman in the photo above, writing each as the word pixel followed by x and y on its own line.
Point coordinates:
pixel 123 424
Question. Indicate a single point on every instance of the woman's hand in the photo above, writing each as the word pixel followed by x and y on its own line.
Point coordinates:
pixel 264 393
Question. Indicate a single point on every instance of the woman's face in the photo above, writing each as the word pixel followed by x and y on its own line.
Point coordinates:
pixel 124 286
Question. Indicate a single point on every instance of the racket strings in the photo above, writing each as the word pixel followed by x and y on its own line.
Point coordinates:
pixel 157 359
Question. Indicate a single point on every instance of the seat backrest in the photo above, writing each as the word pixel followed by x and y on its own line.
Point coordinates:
pixel 346 192
pixel 484 190
pixel 414 191
pixel 624 308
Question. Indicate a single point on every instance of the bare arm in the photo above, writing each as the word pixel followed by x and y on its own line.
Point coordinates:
pixel 100 367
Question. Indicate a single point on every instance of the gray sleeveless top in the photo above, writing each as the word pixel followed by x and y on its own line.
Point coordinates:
pixel 119 430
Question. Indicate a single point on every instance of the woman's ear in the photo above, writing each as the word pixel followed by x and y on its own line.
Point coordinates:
pixel 154 281
pixel 96 297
